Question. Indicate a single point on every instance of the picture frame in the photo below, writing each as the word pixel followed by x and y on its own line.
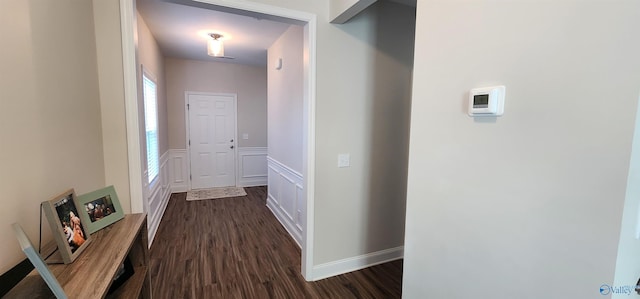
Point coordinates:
pixel 68 229
pixel 37 261
pixel 100 208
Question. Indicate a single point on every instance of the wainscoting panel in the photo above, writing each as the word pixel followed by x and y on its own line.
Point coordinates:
pixel 178 170
pixel 301 208
pixel 252 166
pixel 274 183
pixel 158 195
pixel 286 197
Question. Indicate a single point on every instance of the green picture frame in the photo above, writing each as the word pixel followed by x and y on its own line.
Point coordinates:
pixel 100 208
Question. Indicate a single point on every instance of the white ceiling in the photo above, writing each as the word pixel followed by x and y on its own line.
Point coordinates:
pixel 180 27
pixel 180 31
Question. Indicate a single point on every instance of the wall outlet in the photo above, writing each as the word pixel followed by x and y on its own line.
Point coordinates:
pixel 344 160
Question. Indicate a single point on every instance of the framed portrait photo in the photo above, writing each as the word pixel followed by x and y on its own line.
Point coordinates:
pixel 68 230
pixel 100 209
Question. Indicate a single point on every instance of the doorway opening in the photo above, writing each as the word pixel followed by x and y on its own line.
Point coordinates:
pixel 308 22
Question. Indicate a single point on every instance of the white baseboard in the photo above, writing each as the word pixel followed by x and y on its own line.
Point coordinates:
pixel 351 264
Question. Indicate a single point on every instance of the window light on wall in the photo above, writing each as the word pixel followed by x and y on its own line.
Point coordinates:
pixel 151 125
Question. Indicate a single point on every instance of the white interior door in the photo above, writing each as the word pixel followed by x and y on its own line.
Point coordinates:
pixel 212 131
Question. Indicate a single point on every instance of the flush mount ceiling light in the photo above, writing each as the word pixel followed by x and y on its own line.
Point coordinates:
pixel 215 47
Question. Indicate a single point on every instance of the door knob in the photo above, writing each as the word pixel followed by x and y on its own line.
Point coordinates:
pixel 231 147
pixel 231 140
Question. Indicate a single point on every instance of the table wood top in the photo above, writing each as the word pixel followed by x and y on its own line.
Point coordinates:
pixel 91 274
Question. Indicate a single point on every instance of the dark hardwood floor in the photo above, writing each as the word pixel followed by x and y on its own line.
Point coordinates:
pixel 235 248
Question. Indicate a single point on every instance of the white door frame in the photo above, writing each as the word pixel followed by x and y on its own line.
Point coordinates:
pixel 188 130
pixel 128 28
pixel 129 35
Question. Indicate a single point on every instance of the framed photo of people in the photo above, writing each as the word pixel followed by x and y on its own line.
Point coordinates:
pixel 100 208
pixel 69 231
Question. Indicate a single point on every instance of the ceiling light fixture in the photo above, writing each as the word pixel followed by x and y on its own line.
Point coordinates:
pixel 215 47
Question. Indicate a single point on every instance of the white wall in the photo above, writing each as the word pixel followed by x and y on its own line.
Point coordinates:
pixel 50 123
pixel 528 205
pixel 248 82
pixel 284 98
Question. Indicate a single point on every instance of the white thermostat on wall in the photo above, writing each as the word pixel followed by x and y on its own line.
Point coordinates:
pixel 486 101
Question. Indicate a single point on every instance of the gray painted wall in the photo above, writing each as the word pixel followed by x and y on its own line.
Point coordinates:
pixel 285 98
pixel 528 205
pixel 363 108
pixel 152 60
pixel 248 82
pixel 50 123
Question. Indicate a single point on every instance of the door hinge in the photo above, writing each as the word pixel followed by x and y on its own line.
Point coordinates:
pixel 189 142
pixel 190 177
pixel 187 106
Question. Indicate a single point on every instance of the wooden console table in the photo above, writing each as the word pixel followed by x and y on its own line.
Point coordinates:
pixel 92 273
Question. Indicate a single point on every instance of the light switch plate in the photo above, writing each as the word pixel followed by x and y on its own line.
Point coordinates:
pixel 245 136
pixel 344 160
